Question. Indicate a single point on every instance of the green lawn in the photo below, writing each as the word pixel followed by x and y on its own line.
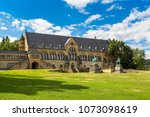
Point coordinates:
pixel 41 84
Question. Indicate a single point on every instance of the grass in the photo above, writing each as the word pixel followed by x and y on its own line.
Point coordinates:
pixel 41 84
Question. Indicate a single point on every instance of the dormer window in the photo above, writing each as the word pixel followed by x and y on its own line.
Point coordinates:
pixel 103 49
pixel 51 45
pixel 43 44
pixel 60 46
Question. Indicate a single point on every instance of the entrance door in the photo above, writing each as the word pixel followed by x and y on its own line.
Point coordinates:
pixel 35 65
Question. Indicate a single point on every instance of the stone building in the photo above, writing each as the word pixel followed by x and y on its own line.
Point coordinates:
pixel 43 51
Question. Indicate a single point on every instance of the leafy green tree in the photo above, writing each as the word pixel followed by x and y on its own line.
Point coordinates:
pixel 124 52
pixel 139 58
pixel 15 45
pixel 7 45
pixel 147 64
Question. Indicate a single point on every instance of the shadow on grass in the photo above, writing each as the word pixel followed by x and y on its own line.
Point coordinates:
pixel 24 85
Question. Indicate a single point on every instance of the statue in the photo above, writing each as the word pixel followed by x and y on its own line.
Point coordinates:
pixel 94 59
pixel 94 68
pixel 118 67
pixel 118 62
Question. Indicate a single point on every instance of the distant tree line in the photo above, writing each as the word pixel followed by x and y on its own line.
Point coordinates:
pixel 130 58
pixel 5 44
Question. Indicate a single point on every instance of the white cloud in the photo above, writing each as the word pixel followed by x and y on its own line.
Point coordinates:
pixel 115 6
pixel 134 27
pixel 107 1
pixel 147 54
pixel 92 18
pixel 3 28
pixel 16 22
pixel 12 38
pixel 85 23
pixel 2 24
pixel 80 4
pixel 43 26
pixel 7 15
pixel 72 26
pixel 40 26
pixel 63 31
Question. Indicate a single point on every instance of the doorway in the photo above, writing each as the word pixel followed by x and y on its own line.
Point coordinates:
pixel 35 65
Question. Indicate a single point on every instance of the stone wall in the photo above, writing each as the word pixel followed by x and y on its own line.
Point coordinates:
pixel 7 64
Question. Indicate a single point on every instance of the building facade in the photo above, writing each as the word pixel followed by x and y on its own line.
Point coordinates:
pixel 43 51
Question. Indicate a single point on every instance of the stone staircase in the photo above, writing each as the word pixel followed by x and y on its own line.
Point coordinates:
pixel 45 65
pixel 74 69
pixel 20 65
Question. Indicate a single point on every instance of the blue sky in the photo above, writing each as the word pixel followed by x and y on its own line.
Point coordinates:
pixel 127 20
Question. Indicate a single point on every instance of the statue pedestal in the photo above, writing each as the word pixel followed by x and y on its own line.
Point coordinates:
pixel 66 68
pixel 118 68
pixel 94 68
pixel 111 68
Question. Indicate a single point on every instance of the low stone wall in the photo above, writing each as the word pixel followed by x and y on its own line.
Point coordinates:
pixel 4 65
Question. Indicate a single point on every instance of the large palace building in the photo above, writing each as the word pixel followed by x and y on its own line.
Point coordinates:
pixel 43 51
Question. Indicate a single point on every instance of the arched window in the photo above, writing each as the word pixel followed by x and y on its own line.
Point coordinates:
pixel 83 57
pixel 72 55
pixel 60 56
pixel 90 57
pixel 44 55
pixel 52 56
pixel 55 56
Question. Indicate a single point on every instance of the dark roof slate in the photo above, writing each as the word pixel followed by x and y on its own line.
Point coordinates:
pixel 12 52
pixel 36 40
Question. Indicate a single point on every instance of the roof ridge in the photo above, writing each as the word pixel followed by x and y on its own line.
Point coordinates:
pixel 66 36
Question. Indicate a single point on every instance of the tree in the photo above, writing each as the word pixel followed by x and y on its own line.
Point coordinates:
pixel 14 45
pixel 7 45
pixel 139 58
pixel 118 49
pixel 147 64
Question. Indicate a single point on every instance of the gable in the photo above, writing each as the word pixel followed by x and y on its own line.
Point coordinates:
pixel 70 42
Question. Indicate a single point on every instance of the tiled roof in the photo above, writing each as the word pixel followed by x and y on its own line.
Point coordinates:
pixel 12 52
pixel 36 40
